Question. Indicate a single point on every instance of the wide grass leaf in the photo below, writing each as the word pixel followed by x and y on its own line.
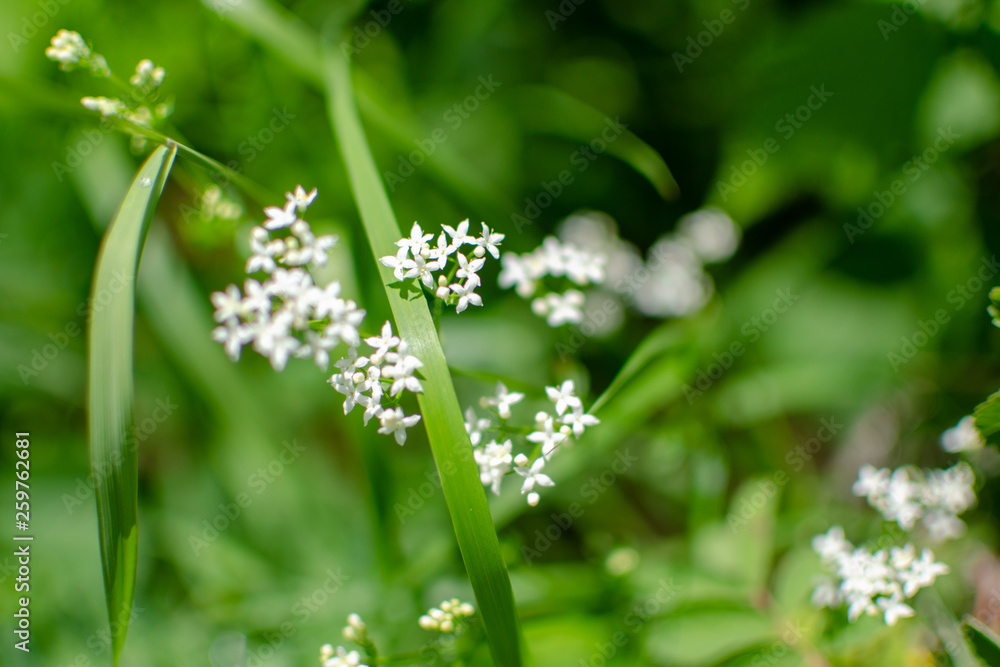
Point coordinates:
pixel 110 400
pixel 442 417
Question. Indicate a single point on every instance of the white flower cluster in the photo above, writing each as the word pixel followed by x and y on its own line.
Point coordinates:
pixel 339 657
pixel 907 495
pixel 677 284
pixel 557 259
pixel 963 437
pixel 495 459
pixel 872 583
pixel 282 315
pixel 447 618
pixel 69 50
pixel 140 106
pixel 361 380
pixel 418 259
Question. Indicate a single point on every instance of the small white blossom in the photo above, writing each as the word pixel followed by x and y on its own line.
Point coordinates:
pixel 494 461
pixel 578 420
pixel 416 240
pixel 280 217
pixel 502 401
pixel 147 74
pixel 466 296
pixel 560 309
pixel 299 198
pixel 547 435
pixel 489 241
pixel 563 397
pixel 516 272
pixel 459 236
pixel 711 233
pixel 398 263
pixel 963 437
pixel 342 657
pixel 394 422
pixel 68 49
pixel 355 630
pixel 533 476
pixel 401 373
pixel 475 426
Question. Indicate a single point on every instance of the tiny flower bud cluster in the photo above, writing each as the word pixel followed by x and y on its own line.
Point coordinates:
pixel 872 583
pixel 140 106
pixel 70 51
pixel 355 631
pixel 495 459
pixel 963 437
pixel 286 314
pixel 417 259
pixel 906 496
pixel 448 618
pixel 554 259
pixel 366 380
pixel 339 657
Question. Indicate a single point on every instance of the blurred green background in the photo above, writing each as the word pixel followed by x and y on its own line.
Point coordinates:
pixel 651 556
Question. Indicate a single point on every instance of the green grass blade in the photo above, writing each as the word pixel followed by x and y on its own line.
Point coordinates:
pixel 442 417
pixel 113 456
pixel 985 642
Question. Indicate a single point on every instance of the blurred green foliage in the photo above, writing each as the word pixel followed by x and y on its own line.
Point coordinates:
pixel 650 571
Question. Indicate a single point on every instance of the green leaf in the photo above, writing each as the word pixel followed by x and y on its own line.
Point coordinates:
pixel 985 642
pixel 110 404
pixel 987 415
pixel 705 637
pixel 442 417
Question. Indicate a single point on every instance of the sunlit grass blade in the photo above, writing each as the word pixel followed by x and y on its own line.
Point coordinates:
pixel 548 110
pixel 442 417
pixel 113 455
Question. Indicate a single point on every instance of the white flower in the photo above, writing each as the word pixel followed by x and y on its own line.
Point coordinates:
pixel 233 336
pixel 494 462
pixel 516 272
pixel 467 270
pixel 228 304
pixel 418 267
pixel 444 619
pixel 257 299
pixel 68 49
pixel 578 420
pixel 532 476
pixel 951 489
pixel 583 267
pixel 475 426
pixel 559 309
pixel 502 401
pixel 895 609
pixel 563 397
pixel 466 296
pixel 872 483
pixel 489 241
pixel 301 199
pixel 546 434
pixel 273 339
pixel 712 234
pixel 107 106
pixel 398 263
pixel 278 217
pixel 416 241
pixel 963 437
pixel 921 573
pixel 832 544
pixel 943 525
pixel 395 423
pixel 401 373
pixel 383 343
pixel 459 237
pixel 264 251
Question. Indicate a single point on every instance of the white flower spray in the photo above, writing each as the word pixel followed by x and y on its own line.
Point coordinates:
pixel 286 315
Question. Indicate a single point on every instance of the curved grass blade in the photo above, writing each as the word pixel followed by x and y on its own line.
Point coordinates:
pixel 113 456
pixel 442 417
pixel 985 642
pixel 547 110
